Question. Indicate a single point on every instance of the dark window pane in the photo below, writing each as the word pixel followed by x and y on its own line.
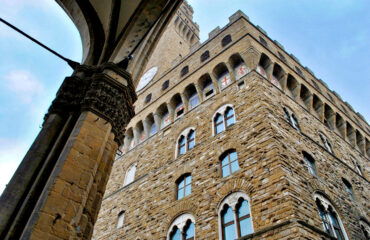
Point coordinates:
pixel 148 98
pixel 165 85
pixel 226 40
pixel 263 41
pixel 184 71
pixel 204 56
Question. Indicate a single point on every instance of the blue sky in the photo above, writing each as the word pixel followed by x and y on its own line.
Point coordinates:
pixel 330 37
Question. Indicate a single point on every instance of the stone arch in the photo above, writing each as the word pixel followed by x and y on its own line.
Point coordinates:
pixel 237 185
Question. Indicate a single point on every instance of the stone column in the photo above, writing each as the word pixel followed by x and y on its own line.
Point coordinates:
pixel 98 101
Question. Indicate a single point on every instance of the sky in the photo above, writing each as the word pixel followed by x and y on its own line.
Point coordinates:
pixel 331 37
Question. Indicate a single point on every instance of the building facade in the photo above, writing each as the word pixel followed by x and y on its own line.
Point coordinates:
pixel 235 139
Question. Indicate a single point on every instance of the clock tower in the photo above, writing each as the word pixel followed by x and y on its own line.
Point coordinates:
pixel 181 35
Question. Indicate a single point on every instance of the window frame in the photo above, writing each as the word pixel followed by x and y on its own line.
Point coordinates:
pixel 185 134
pixel 179 181
pixel 227 154
pixel 327 213
pixel 222 111
pixel 182 222
pixel 232 201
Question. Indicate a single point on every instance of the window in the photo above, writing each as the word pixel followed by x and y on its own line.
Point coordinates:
pixel 263 65
pixel 263 41
pixel 206 86
pixel 186 141
pixel 165 85
pixel 291 118
pixel 282 57
pixel 153 129
pixel 223 76
pixel 357 167
pixel 348 187
pixel 326 143
pixel 224 118
pixel 235 224
pixel 184 71
pixel 183 186
pixel 130 174
pixel 120 219
pixel 226 40
pixel 229 163
pixel 182 228
pixel 310 162
pixel 299 71
pixel 238 66
pixel 164 116
pixel 331 222
pixel 148 98
pixel 204 56
pixel 178 106
pixel 193 100
pixel 150 123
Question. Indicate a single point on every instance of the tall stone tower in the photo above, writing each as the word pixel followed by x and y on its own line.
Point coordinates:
pixel 235 139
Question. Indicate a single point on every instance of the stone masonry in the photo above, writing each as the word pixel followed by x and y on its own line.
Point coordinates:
pixel 272 170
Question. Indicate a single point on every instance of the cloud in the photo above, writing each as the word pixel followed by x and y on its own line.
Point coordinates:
pixel 11 154
pixel 24 85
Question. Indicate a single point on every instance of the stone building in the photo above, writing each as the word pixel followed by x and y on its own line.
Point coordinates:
pixel 235 139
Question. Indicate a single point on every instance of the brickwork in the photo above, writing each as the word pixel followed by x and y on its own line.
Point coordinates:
pixel 272 171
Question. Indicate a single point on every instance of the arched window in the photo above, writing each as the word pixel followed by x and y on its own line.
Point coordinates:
pixel 148 98
pixel 310 163
pixel 204 56
pixel 164 115
pixel 330 219
pixel 349 189
pixel 229 163
pixel 182 228
pixel 206 86
pixel 263 41
pixel 235 217
pixel 120 219
pixel 263 65
pixel 150 124
pixel 130 174
pixel 223 118
pixel 326 143
pixel 165 85
pixel 183 186
pixel 192 96
pixel 226 40
pixel 186 141
pixel 184 71
pixel 223 76
pixel 291 118
pixel 238 66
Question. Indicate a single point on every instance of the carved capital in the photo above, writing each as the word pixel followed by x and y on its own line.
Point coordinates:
pixel 106 90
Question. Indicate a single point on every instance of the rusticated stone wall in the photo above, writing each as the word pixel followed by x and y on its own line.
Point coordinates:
pixel 272 171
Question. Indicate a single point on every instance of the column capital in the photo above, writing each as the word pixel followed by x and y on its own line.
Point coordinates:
pixel 105 90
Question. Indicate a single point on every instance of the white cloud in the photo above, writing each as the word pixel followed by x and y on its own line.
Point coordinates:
pixel 24 85
pixel 11 154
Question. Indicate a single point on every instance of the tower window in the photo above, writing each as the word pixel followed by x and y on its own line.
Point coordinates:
pixel 130 174
pixel 299 71
pixel 236 220
pixel 184 71
pixel 165 85
pixel 204 56
pixel 292 119
pixel 226 40
pixel 224 118
pixel 120 219
pixel 186 141
pixel 183 186
pixel 148 98
pixel 182 228
pixel 263 41
pixel 310 163
pixel 229 163
pixel 326 143
pixel 331 222
pixel 349 189
pixel 282 57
